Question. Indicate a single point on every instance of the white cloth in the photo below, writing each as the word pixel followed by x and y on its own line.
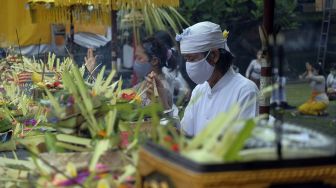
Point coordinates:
pixel 206 102
pixel 91 40
pixel 331 81
pixel 178 83
pixel 128 57
pixel 34 49
pixel 279 94
pixel 201 37
pixel 317 83
pixel 168 83
pixel 253 70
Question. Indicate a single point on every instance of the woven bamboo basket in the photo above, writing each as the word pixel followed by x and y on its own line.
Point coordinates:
pixel 162 168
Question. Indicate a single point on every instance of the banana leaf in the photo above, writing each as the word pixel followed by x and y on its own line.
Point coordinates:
pixel 8 146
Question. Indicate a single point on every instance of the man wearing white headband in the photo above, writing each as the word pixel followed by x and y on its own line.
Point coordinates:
pixel 209 64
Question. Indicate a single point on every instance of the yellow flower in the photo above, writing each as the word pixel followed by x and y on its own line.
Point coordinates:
pixel 36 77
pixel 103 183
pixel 226 34
pixel 93 93
pixel 71 169
pixel 40 84
pixel 137 98
pixel 2 102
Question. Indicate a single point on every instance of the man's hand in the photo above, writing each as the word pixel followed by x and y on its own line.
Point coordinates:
pixel 90 60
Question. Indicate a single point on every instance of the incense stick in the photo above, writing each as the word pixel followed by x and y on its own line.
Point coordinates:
pixel 43 69
pixel 156 93
pixel 17 36
pixel 143 91
pixel 38 51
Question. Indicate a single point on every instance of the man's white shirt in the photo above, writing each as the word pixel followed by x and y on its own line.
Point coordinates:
pixel 206 102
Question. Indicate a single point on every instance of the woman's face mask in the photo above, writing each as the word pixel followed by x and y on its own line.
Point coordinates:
pixel 142 69
pixel 199 71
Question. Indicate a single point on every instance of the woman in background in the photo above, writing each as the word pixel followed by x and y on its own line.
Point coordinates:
pixel 181 90
pixel 318 101
pixel 151 57
pixel 253 71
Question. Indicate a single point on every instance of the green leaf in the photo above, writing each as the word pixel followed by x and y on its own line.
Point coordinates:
pixel 110 119
pixel 54 102
pixel 232 152
pixel 108 80
pixel 50 141
pixel 101 147
pixel 74 140
pixel 71 147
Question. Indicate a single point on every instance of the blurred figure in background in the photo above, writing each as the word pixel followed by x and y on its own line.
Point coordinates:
pixel 279 97
pixel 331 83
pixel 253 71
pixel 318 101
pixel 95 37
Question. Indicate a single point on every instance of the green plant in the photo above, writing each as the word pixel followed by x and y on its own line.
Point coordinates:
pixel 233 12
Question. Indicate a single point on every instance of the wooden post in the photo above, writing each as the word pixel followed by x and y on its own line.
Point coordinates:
pixel 114 39
pixel 266 68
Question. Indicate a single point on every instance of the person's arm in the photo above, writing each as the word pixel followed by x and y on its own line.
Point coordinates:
pixel 90 60
pixel 188 121
pixel 90 64
pixel 318 78
pixel 248 102
pixel 303 75
pixel 249 69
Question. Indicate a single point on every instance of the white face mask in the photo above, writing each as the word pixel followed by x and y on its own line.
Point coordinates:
pixel 199 71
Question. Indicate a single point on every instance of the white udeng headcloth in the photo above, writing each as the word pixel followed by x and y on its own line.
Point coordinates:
pixel 201 37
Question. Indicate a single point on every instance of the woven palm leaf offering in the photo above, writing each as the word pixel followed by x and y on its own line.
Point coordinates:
pixel 76 169
pixel 33 76
pixel 231 153
pixel 22 118
pixel 100 110
pixel 26 117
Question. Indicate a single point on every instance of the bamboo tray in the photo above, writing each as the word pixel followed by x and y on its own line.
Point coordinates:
pixel 159 167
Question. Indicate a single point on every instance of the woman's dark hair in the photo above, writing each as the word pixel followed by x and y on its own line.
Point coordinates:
pixel 225 60
pixel 174 57
pixel 165 38
pixel 154 48
pixel 319 69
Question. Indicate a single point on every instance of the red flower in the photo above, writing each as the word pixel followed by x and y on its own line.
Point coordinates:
pixel 175 147
pixel 49 86
pixel 57 84
pixel 168 139
pixel 128 97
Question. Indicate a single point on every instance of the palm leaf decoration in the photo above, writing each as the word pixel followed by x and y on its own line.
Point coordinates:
pixel 157 14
